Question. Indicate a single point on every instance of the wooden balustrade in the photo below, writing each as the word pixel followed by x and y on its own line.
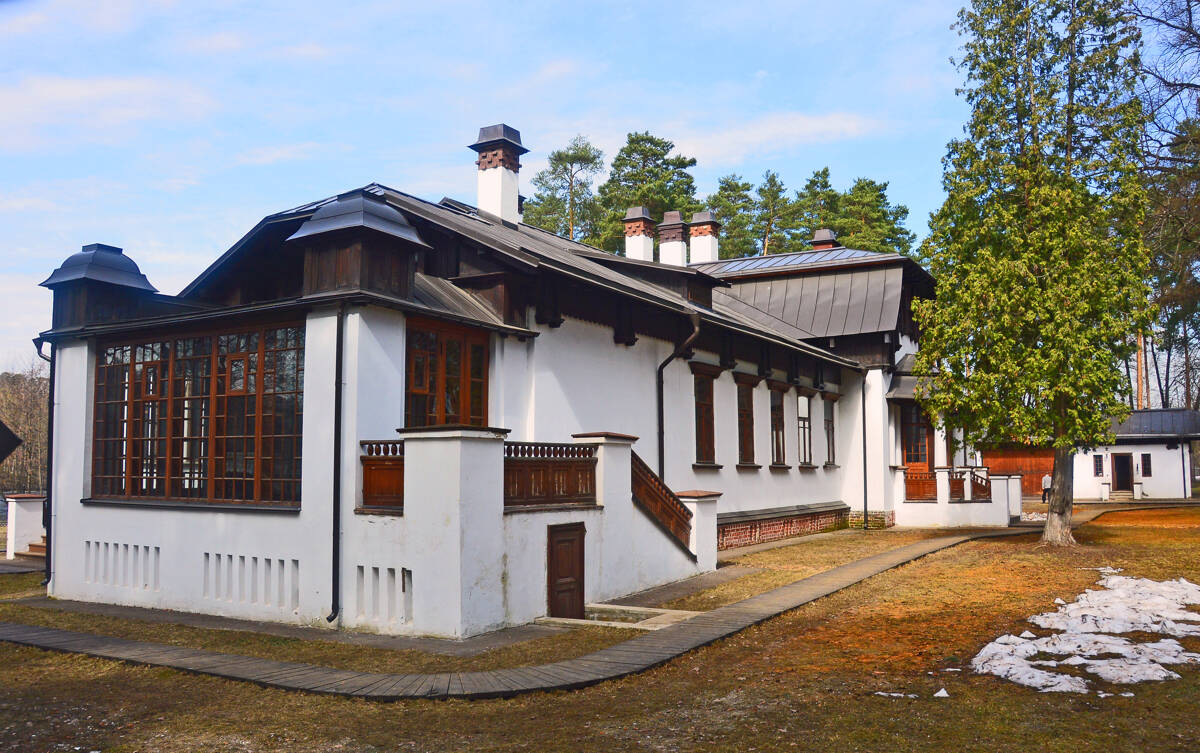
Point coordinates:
pixel 660 503
pixel 957 485
pixel 383 473
pixel 920 485
pixel 540 473
pixel 981 488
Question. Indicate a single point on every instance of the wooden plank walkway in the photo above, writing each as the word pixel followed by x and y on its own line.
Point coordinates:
pixel 635 655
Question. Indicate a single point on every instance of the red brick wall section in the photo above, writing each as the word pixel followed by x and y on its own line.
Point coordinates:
pixel 500 156
pixel 638 227
pixel 733 535
pixel 875 519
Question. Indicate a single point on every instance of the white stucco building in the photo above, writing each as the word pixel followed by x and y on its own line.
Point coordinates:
pixel 384 413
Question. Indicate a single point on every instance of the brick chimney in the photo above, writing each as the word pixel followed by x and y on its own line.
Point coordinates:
pixel 499 147
pixel 672 240
pixel 704 228
pixel 639 234
pixel 824 239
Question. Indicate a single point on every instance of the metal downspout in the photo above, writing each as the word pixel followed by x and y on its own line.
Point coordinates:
pixel 866 525
pixel 336 557
pixel 47 509
pixel 679 350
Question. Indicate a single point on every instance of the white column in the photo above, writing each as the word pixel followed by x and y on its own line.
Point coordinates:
pixel 703 541
pixel 640 247
pixel 673 252
pixel 498 189
pixel 454 507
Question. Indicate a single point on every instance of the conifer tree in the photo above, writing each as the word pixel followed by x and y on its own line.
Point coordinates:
pixel 869 221
pixel 644 173
pixel 733 205
pixel 564 203
pixel 1037 251
pixel 816 205
pixel 774 215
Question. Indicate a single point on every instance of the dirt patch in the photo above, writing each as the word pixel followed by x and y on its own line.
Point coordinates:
pixel 1167 517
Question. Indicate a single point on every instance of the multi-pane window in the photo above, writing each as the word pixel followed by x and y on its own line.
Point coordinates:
pixel 830 437
pixel 703 377
pixel 1146 465
pixel 778 443
pixel 203 417
pixel 745 415
pixel 447 375
pixel 804 428
pixel 915 436
pixel 1097 465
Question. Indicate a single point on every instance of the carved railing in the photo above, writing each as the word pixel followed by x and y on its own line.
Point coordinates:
pixel 920 485
pixel 383 473
pixel 957 490
pixel 660 503
pixel 540 473
pixel 981 488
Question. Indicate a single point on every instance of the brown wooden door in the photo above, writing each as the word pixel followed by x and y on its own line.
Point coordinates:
pixel 1122 472
pixel 564 570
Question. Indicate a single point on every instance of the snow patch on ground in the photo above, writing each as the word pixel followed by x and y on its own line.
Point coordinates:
pixel 1086 637
pixel 1033 517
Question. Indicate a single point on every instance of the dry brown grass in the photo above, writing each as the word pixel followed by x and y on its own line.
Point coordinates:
pixel 788 564
pixel 802 681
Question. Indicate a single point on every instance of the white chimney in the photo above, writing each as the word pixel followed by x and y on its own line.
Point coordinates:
pixel 672 243
pixel 704 227
pixel 500 150
pixel 639 234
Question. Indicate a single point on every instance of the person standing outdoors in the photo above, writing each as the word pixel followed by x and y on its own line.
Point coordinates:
pixel 1047 482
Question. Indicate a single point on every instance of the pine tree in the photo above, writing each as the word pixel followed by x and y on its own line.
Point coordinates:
pixel 733 205
pixel 774 216
pixel 867 220
pixel 1037 250
pixel 564 203
pixel 817 205
pixel 644 173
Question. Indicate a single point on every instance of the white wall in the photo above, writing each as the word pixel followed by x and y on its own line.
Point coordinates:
pixel 574 379
pixel 1168 479
pixel 24 525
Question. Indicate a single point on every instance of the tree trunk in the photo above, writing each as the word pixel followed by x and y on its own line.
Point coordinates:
pixel 1062 495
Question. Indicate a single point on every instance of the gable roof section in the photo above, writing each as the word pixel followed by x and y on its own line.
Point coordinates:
pixel 773 264
pixel 1162 423
pixel 531 248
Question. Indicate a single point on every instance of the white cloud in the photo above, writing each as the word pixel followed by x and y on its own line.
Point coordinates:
pixel 24 313
pixel 41 109
pixel 23 24
pixel 219 42
pixel 772 134
pixel 269 155
pixel 26 204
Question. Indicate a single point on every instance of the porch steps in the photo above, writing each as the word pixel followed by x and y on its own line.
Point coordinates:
pixel 36 549
pixel 1120 497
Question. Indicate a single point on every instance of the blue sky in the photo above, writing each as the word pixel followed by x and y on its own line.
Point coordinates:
pixel 170 128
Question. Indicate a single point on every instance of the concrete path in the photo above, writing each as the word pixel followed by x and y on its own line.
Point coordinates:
pixel 19 565
pixel 633 656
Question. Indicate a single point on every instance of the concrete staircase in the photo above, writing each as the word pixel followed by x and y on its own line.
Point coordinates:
pixel 1120 497
pixel 36 549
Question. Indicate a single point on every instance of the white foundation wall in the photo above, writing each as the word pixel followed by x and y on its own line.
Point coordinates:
pixel 271 565
pixel 577 380
pixel 1168 479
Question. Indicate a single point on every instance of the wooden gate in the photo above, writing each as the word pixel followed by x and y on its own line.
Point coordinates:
pixel 1031 462
pixel 564 570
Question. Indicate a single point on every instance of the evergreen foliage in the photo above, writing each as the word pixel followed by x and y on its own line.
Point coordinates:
pixel 564 203
pixel 1037 251
pixel 733 205
pixel 644 173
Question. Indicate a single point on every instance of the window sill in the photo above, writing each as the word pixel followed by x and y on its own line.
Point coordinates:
pixel 397 512
pixel 780 467
pixel 707 466
pixel 748 466
pixel 807 467
pixel 830 466
pixel 920 501
pixel 200 506
pixel 558 507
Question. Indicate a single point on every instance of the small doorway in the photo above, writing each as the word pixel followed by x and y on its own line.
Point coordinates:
pixel 1122 472
pixel 564 570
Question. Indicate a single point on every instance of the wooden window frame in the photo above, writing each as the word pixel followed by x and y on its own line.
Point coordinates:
pixel 912 420
pixel 704 387
pixel 447 332
pixel 126 448
pixel 1097 465
pixel 745 418
pixel 778 391
pixel 827 406
pixel 1147 465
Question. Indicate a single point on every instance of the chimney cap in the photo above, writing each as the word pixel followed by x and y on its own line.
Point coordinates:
pixel 637 213
pixel 493 135
pixel 101 263
pixel 704 217
pixel 824 236
pixel 672 218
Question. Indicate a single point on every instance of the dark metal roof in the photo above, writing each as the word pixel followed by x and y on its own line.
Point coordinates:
pixel 796 261
pixel 359 210
pixel 100 263
pixel 9 442
pixel 842 302
pixel 1175 423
